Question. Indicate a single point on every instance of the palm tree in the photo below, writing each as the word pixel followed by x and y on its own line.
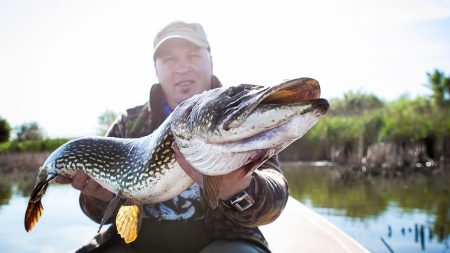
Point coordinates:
pixel 440 86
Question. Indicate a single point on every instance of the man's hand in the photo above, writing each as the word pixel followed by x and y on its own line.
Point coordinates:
pixel 87 186
pixel 232 183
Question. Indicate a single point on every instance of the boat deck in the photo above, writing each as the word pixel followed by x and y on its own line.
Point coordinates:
pixel 300 229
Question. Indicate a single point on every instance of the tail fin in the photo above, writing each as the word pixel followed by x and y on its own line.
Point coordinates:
pixel 35 208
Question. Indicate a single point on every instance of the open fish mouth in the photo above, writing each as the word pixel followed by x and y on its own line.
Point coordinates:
pixel 301 91
pixel 314 109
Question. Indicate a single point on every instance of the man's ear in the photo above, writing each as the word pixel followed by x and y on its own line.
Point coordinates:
pixel 211 61
pixel 154 66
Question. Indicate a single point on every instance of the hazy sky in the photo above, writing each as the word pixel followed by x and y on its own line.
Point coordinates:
pixel 62 63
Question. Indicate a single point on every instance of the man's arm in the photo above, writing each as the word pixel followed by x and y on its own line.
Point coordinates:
pixel 267 184
pixel 269 189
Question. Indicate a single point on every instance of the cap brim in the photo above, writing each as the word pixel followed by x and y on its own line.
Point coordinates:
pixel 195 41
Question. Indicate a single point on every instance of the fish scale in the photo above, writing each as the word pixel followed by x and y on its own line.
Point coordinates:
pixel 217 132
pixel 116 163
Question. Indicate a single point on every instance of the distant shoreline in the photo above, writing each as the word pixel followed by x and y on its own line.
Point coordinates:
pixel 22 161
pixel 11 162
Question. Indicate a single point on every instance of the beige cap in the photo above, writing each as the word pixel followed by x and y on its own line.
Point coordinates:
pixel 192 32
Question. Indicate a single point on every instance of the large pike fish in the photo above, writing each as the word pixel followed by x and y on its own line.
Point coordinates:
pixel 217 131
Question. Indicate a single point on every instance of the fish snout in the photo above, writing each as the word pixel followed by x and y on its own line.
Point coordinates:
pixel 321 106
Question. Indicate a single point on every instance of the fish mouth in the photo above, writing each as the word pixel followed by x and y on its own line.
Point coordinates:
pixel 297 91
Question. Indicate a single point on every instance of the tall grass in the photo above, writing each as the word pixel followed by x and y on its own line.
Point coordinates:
pixel 32 145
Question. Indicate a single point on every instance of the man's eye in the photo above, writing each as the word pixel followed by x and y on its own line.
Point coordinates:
pixel 194 56
pixel 168 59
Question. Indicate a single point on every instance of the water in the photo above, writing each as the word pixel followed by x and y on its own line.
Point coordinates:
pixel 62 227
pixel 371 210
pixel 408 213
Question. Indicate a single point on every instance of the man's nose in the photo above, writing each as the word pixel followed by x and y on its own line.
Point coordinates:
pixel 183 66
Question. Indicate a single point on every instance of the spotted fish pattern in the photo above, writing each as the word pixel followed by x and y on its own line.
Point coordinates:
pixel 256 123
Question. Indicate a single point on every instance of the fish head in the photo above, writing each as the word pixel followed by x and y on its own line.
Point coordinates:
pixel 249 117
pixel 238 112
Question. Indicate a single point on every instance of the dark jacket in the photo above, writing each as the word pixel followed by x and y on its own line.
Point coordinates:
pixel 189 212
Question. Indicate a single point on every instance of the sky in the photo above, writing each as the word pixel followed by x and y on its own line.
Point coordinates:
pixel 63 63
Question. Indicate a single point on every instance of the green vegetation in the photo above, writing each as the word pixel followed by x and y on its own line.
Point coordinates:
pixel 360 120
pixel 29 136
pixel 405 119
pixel 5 130
pixel 32 145
pixel 440 85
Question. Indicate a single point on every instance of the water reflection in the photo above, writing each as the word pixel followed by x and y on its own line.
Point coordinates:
pixel 5 192
pixel 368 199
pixel 24 180
pixel 62 227
pixel 405 214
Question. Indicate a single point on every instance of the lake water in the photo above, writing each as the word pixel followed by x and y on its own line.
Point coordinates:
pixel 406 213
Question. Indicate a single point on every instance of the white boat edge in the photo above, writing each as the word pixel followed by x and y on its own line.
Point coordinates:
pixel 300 229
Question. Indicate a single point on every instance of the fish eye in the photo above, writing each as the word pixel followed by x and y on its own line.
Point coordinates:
pixel 234 90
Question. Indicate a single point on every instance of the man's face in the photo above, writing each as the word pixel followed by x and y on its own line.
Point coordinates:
pixel 183 69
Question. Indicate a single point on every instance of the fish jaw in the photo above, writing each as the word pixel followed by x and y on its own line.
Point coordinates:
pixel 218 111
pixel 215 154
pixel 290 121
pixel 288 129
pixel 286 93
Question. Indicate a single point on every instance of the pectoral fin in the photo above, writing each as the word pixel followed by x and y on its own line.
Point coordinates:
pixel 211 190
pixel 128 222
pixel 110 209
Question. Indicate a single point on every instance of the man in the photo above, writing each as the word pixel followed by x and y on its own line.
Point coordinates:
pixel 184 67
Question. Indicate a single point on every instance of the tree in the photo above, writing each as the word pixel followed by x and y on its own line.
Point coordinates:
pixel 5 130
pixel 105 120
pixel 355 103
pixel 29 131
pixel 440 86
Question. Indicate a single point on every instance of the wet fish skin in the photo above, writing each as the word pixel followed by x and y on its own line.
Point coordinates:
pixel 217 131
